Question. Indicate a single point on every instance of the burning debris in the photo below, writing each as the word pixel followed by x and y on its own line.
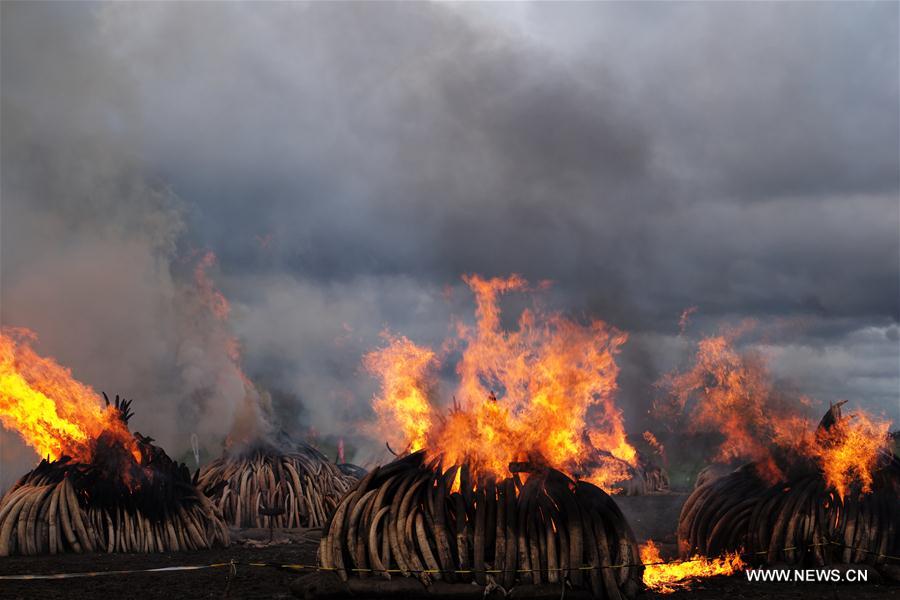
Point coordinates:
pixel 100 487
pixel 265 487
pixel 817 514
pixel 536 526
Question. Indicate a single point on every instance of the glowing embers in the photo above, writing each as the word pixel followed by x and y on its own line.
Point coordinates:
pixel 666 578
pixel 296 489
pixel 805 518
pixel 536 527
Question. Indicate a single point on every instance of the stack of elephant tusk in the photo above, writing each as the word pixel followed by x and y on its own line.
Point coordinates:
pixel 799 521
pixel 656 480
pixel 113 501
pixel 52 510
pixel 632 480
pixel 644 480
pixel 796 522
pixel 404 517
pixel 304 482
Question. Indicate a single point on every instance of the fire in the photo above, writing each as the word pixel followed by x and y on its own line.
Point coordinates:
pixel 250 421
pixel 848 452
pixel 527 394
pixel 206 287
pixel 735 395
pixel 734 398
pixel 668 578
pixel 404 370
pixel 685 318
pixel 53 412
pixel 655 444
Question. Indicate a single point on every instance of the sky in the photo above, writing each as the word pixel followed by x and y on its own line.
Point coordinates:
pixel 348 162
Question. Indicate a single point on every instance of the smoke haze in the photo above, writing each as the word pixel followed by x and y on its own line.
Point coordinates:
pixel 346 163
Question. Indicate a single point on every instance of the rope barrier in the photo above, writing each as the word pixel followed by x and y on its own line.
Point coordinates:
pixel 232 565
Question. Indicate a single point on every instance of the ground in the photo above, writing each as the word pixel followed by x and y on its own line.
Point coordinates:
pixel 650 517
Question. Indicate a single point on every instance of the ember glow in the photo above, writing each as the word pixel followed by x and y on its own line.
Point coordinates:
pixel 733 393
pixel 668 578
pixel 542 392
pixel 53 412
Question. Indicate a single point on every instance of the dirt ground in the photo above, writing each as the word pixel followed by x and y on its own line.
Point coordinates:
pixel 650 515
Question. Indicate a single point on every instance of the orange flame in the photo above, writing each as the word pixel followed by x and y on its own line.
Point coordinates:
pixel 53 412
pixel 735 396
pixel 655 444
pixel 848 451
pixel 403 402
pixel 249 422
pixel 524 394
pixel 206 287
pixel 685 318
pixel 668 578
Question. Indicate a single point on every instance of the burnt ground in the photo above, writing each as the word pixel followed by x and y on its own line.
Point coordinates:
pixel 651 516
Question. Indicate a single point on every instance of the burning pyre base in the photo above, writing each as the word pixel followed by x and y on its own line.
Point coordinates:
pixel 112 505
pixel 800 521
pixel 534 528
pixel 265 487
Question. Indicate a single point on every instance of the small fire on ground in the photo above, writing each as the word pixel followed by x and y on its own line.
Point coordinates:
pixel 668 578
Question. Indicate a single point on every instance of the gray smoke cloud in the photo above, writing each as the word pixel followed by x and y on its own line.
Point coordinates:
pixel 346 163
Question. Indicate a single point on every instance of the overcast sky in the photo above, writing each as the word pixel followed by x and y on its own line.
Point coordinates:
pixel 348 162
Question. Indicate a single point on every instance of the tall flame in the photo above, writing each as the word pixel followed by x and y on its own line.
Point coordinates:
pixel 53 412
pixel 735 396
pixel 848 451
pixel 668 578
pixel 525 394
pixel 403 402
pixel 210 295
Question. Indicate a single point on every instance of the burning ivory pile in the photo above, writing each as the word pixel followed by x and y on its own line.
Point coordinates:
pixel 645 478
pixel 802 520
pixel 639 479
pixel 117 503
pixel 293 489
pixel 536 529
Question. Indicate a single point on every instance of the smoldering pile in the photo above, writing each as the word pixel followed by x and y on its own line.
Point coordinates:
pixel 268 487
pixel 117 503
pixel 448 529
pixel 801 520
